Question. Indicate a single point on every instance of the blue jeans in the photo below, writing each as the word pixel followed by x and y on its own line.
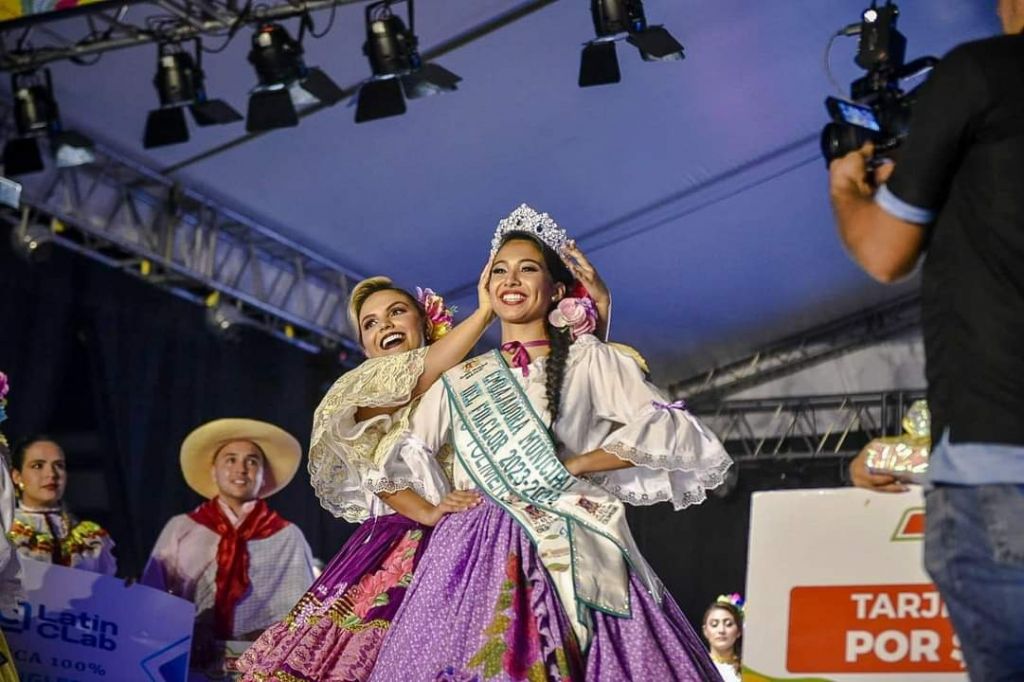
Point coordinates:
pixel 974 551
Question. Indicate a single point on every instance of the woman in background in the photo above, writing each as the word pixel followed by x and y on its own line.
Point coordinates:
pixel 43 528
pixel 723 627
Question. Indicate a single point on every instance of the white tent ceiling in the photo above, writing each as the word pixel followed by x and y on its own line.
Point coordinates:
pixel 696 186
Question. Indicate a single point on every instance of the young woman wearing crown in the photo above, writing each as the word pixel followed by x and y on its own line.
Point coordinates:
pixel 543 580
pixel 335 631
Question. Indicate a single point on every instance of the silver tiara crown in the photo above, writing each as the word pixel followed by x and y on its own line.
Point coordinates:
pixel 540 225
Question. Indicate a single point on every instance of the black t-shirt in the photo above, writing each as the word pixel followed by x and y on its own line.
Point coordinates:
pixel 964 160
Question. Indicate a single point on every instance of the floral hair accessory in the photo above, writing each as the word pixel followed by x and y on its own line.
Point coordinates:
pixel 4 388
pixel 578 312
pixel 735 599
pixel 439 316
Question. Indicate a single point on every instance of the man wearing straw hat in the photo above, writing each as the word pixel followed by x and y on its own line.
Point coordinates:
pixel 241 563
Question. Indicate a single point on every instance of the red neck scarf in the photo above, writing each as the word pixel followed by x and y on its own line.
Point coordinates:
pixel 233 555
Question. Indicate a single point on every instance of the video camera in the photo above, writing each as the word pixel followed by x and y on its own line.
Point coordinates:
pixel 878 110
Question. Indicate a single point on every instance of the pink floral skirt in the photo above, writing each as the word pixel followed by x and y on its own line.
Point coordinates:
pixel 334 633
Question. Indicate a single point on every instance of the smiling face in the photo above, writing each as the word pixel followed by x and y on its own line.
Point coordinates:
pixel 43 475
pixel 389 323
pixel 521 287
pixel 238 470
pixel 721 630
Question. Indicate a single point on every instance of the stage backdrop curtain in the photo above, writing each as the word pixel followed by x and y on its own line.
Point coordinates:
pixel 37 308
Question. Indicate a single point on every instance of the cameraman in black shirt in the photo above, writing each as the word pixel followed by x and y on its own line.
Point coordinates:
pixel 956 195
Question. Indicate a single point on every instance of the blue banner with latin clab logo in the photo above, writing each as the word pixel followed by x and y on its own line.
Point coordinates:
pixel 78 626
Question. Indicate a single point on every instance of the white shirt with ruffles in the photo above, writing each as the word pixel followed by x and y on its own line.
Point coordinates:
pixel 606 403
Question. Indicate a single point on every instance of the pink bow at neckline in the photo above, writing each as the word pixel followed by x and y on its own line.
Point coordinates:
pixel 520 356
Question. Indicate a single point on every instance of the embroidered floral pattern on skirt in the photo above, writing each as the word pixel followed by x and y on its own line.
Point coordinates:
pixel 481 608
pixel 334 633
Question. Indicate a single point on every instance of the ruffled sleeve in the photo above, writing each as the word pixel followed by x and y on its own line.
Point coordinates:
pixel 342 451
pixel 410 460
pixel 677 458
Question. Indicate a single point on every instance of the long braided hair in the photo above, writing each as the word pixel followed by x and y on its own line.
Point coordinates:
pixel 560 340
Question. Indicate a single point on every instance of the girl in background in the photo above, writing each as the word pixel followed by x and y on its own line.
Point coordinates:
pixel 723 627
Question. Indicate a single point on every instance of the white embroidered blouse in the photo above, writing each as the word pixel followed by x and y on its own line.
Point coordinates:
pixel 606 403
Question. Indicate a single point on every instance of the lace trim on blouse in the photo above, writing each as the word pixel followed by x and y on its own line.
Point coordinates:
pixel 342 451
pixel 707 478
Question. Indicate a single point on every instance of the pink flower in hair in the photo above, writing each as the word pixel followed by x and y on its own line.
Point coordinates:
pixel 4 386
pixel 578 314
pixel 439 316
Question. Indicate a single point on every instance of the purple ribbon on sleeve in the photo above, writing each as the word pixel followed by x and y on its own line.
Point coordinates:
pixel 681 406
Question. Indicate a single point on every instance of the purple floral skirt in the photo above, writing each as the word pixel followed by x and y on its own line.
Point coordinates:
pixel 481 608
pixel 335 631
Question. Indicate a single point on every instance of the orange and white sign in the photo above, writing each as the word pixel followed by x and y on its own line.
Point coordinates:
pixel 874 629
pixel 836 591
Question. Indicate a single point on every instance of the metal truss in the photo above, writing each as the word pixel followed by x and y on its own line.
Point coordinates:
pixel 129 217
pixel 802 350
pixel 809 426
pixel 28 43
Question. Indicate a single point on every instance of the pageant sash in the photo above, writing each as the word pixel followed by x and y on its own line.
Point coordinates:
pixel 579 529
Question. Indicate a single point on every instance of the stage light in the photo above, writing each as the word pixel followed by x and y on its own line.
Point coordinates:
pixel 36 115
pixel 616 20
pixel 32 242
pixel 285 82
pixel 21 156
pixel 398 70
pixel 179 83
pixel 225 320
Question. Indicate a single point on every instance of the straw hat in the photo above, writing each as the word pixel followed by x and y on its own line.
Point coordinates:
pixel 283 453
